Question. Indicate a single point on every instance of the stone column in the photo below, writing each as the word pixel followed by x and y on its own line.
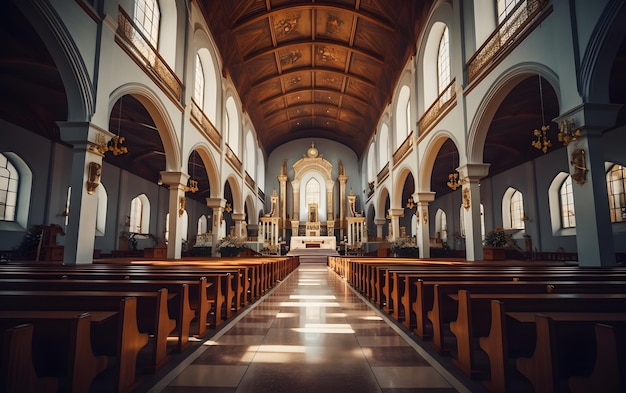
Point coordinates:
pixel 282 179
pixel 423 236
pixel 343 179
pixel 594 230
pixel 217 204
pixel 296 201
pixel 470 178
pixel 86 169
pixel 176 181
pixel 239 219
pixel 379 222
pixel 395 215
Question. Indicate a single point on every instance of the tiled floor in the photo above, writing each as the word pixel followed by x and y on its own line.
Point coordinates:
pixel 312 333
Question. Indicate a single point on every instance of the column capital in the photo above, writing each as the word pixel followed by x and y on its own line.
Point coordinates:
pixel 342 179
pixel 396 212
pixel 474 172
pixel 424 196
pixel 591 116
pixel 84 135
pixel 216 202
pixel 238 216
pixel 380 221
pixel 282 178
pixel 174 179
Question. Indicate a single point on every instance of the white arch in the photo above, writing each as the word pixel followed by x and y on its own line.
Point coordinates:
pixel 159 115
pixel 66 55
pixel 490 103
pixel 428 158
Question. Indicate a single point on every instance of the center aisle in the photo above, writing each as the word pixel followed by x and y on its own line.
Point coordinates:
pixel 312 333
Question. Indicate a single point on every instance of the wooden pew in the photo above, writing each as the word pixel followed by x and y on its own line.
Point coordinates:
pixel 126 341
pixel 220 292
pixel 565 343
pixel 180 307
pixel 17 370
pixel 499 344
pixel 609 363
pixel 61 344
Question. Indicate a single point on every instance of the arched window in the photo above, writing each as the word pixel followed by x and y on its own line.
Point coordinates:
pixel 184 223
pixel 441 225
pixel 9 181
pixel 616 188
pixel 140 214
pixel 202 224
pixel 517 210
pixel 506 7
pixel 198 87
pixel 250 158
pixel 482 221
pixel 147 17
pixel 66 212
pixel 371 163
pixel 566 198
pixel 443 63
pixel 233 125
pixel 513 209
pixel 383 147
pixel 403 115
pixel 312 192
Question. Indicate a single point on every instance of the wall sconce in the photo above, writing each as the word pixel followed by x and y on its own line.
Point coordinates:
pixel 466 198
pixel 425 216
pixel 580 166
pixel 181 206
pixel 567 133
pixel 94 171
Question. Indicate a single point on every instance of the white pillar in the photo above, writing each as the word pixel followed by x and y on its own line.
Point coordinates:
pixel 176 181
pixel 470 177
pixel 81 231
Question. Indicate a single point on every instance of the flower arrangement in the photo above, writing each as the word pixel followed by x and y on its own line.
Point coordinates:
pixel 499 238
pixel 230 245
pixel 404 246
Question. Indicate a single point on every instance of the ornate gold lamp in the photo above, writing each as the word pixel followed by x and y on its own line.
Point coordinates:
pixel 541 142
pixel 115 144
pixel 453 177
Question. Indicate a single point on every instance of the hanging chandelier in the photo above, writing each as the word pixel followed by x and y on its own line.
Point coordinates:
pixel 541 142
pixel 193 184
pixel 410 203
pixel 115 144
pixel 453 177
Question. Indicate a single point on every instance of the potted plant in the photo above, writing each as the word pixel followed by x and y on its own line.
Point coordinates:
pixel 495 243
pixel 405 247
pixel 230 246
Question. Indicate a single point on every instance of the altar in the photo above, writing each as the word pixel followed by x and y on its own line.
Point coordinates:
pixel 317 242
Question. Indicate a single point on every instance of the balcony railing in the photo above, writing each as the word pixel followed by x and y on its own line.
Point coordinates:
pixel 138 46
pixel 506 36
pixel 404 149
pixel 250 182
pixel 204 124
pixel 261 195
pixel 437 109
pixel 382 175
pixel 232 159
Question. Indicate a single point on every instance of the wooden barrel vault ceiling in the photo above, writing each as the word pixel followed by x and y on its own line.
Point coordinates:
pixel 310 68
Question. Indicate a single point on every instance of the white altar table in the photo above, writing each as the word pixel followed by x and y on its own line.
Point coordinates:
pixel 318 242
